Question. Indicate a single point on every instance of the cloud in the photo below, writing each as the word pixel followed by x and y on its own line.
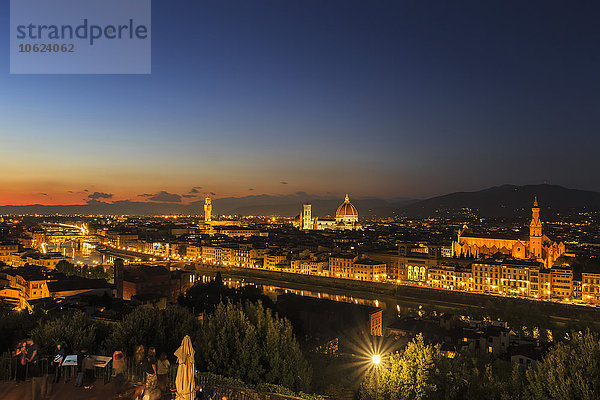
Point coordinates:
pixel 251 189
pixel 283 182
pixel 100 195
pixel 195 190
pixel 189 196
pixel 44 194
pixel 213 194
pixel 163 197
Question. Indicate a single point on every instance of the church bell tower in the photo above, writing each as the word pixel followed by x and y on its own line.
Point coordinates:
pixel 307 221
pixel 535 232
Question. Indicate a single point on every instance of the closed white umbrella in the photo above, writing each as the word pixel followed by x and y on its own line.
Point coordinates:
pixel 185 370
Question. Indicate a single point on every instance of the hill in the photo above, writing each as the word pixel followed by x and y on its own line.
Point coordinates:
pixel 507 200
pixel 497 201
pixel 287 205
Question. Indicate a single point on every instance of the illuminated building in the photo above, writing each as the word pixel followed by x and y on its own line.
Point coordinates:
pixel 486 277
pixel 216 254
pixel 414 262
pixel 350 266
pixel 193 252
pixel 535 246
pixel 207 210
pixel 562 282
pixel 276 261
pixel 340 266
pixel 375 326
pixel 346 218
pixel 590 287
pixel 545 287
pixel 6 251
pixel 518 278
pixel 524 278
pixel 450 278
pixel 238 231
pixel 307 220
pixel 310 267
pixel 19 286
pixel 368 270
pixel 391 260
pixel 247 257
pixel 208 224
pixel 120 239
pixel 48 260
pixel 233 255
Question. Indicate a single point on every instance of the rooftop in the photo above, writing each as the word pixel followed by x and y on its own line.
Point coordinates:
pixel 77 283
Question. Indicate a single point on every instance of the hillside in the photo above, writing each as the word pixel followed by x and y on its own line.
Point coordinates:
pixel 506 200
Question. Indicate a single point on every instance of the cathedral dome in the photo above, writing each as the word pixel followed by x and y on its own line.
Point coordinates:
pixel 346 209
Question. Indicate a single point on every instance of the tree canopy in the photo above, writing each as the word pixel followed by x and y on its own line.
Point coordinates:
pixel 153 327
pixel 74 331
pixel 423 371
pixel 570 371
pixel 252 344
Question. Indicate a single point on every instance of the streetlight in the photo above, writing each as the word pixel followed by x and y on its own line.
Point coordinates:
pixel 376 360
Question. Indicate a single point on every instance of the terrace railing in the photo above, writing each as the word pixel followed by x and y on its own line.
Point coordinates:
pixel 135 375
pixel 8 367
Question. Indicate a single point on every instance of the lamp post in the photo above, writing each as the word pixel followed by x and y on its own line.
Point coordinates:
pixel 376 360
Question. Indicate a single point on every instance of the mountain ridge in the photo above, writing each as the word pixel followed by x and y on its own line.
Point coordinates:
pixel 503 200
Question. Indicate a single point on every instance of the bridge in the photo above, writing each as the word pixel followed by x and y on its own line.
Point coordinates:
pixel 58 234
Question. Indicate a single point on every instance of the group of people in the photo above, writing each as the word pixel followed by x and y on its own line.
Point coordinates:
pixel 150 371
pixel 153 372
pixel 28 366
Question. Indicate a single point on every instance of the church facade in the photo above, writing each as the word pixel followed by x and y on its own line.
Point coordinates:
pixel 536 246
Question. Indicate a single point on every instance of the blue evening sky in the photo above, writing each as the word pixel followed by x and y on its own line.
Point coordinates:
pixel 375 98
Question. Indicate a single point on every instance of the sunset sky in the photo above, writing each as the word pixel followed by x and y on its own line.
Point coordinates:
pixel 374 98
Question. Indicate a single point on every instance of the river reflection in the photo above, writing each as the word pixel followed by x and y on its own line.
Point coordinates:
pixel 274 291
pixel 84 254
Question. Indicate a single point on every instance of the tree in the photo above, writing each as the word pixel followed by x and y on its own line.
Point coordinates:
pixel 411 374
pixel 152 327
pixel 422 371
pixel 66 268
pixel 74 331
pixel 280 353
pixel 250 343
pixel 570 370
pixel 15 326
pixel 86 271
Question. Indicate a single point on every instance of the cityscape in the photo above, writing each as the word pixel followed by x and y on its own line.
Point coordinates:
pixel 299 201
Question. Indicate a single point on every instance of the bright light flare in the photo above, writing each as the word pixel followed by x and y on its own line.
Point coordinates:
pixel 376 359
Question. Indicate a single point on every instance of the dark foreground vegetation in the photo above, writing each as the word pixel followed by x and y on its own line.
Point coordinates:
pixel 239 337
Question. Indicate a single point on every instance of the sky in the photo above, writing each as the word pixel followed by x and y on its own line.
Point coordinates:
pixel 372 98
